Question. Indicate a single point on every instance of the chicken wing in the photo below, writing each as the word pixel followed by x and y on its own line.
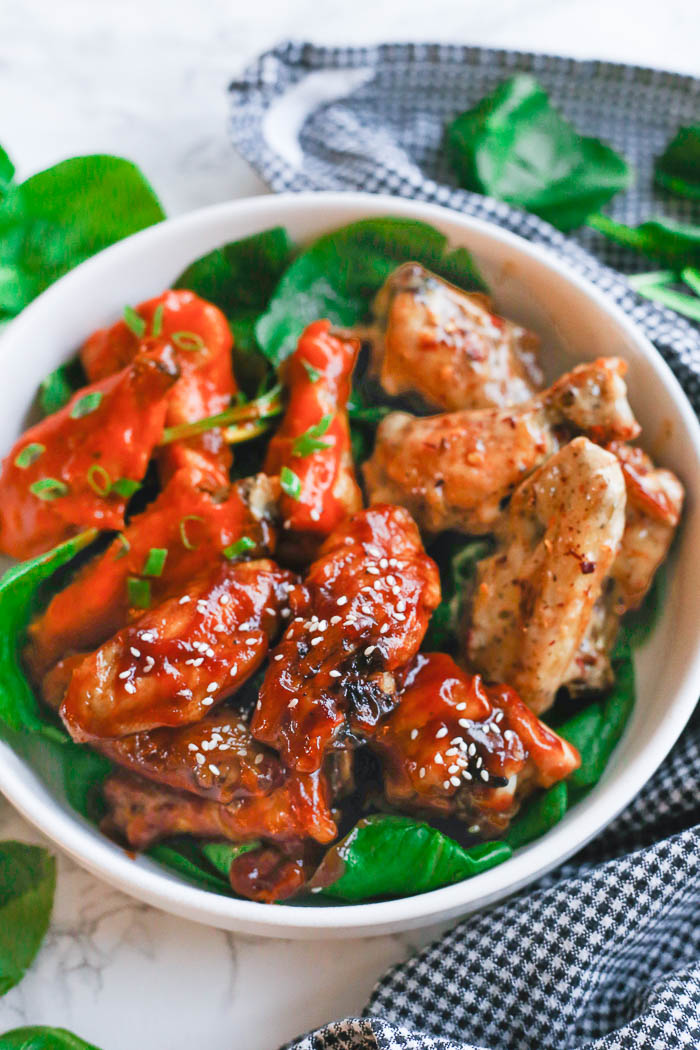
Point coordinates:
pixel 534 597
pixel 179 659
pixel 67 472
pixel 201 342
pixel 193 520
pixel 143 812
pixel 273 873
pixel 313 441
pixel 456 747
pixel 362 614
pixel 448 347
pixel 455 471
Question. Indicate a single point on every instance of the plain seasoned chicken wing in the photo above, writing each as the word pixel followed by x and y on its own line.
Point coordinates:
pixel 67 472
pixel 143 812
pixel 194 520
pixel 447 346
pixel 361 614
pixel 313 442
pixel 534 598
pixel 200 340
pixel 457 747
pixel 454 471
pixel 179 659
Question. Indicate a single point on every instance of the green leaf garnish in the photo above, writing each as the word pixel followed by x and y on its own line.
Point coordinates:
pixel 29 454
pixel 134 322
pixel 388 856
pixel 678 168
pixel 290 483
pixel 87 404
pixel 186 541
pixel 27 885
pixel 155 561
pixel 221 855
pixel 55 390
pixel 99 480
pixel 234 550
pixel 125 548
pixel 40 1037
pixel 515 146
pixel 139 592
pixel 308 442
pixel 676 243
pixel 313 373
pixel 125 487
pixel 538 816
pixel 189 341
pixel 157 325
pixel 457 560
pixel 48 488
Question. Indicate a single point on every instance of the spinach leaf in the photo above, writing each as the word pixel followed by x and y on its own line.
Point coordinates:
pixel 390 856
pixel 515 146
pixel 62 216
pixel 677 243
pixel 27 884
pixel 184 856
pixel 539 815
pixel 221 855
pixel 58 387
pixel 18 588
pixel 337 275
pixel 456 558
pixel 678 168
pixel 39 1037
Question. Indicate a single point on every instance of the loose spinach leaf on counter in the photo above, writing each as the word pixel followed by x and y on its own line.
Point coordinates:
pixel 56 219
pixel 27 884
pixel 515 146
pixel 337 276
pixel 676 243
pixel 390 856
pixel 678 168
pixel 39 1037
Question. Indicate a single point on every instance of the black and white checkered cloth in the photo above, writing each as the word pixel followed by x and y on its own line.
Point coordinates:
pixel 604 954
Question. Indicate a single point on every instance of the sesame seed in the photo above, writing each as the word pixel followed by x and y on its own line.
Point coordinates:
pixel 125 674
pixel 453 769
pixel 373 570
pixel 215 769
pixel 212 687
pixel 414 734
pixel 207 701
pixel 184 600
pixel 486 728
pixel 258 759
pixel 148 636
pixel 200 759
pixel 463 722
pixel 219 627
pixel 391 580
pixel 293 703
pixel 446 785
pixel 442 731
pixel 130 687
pixel 258 705
pixel 396 589
pixel 225 599
pixel 400 606
pixel 369 650
pixel 439 759
pixel 317 639
pixel 461 707
pixel 421 772
pixel 479 762
pixel 484 775
pixel 285 613
pixel 334 674
pixel 467 775
pixel 315 514
pixel 495 728
pixel 473 829
pixel 399 616
pixel 278 656
pixel 134 651
pixel 472 749
pixel 192 747
pixel 384 628
pixel 383 564
pixel 343 600
pixel 373 551
pixel 455 781
pixel 336 620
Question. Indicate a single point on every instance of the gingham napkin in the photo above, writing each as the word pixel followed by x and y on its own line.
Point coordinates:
pixel 605 953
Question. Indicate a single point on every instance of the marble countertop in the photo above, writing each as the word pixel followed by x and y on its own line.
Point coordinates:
pixel 146 79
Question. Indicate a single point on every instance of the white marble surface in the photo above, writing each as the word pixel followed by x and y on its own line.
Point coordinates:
pixel 146 79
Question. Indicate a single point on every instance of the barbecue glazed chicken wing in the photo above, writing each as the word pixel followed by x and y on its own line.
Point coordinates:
pixel 66 473
pixel 534 598
pixel 361 614
pixel 179 659
pixel 313 441
pixel 457 747
pixel 199 338
pixel 454 471
pixel 194 519
pixel 448 347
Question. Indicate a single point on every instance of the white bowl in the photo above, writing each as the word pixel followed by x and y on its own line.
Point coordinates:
pixel 576 322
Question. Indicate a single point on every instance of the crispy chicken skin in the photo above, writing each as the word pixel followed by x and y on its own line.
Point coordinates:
pixel 457 747
pixel 200 340
pixel 194 519
pixel 534 598
pixel 318 378
pixel 454 471
pixel 58 477
pixel 173 664
pixel 142 812
pixel 362 613
pixel 448 347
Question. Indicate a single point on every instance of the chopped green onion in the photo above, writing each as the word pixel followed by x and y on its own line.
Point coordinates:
pixel 29 455
pixel 245 431
pixel 239 547
pixel 190 341
pixel 99 480
pixel 308 443
pixel 262 408
pixel 87 404
pixel 139 592
pixel 157 326
pixel 134 322
pixel 155 560
pixel 687 305
pixel 48 488
pixel 55 391
pixel 126 487
pixel 186 541
pixel 313 373
pixel 126 546
pixel 644 280
pixel 290 483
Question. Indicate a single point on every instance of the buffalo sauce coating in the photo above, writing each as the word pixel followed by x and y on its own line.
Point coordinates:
pixel 318 377
pixel 206 385
pixel 216 758
pixel 59 477
pixel 173 664
pixel 361 614
pixel 192 519
pixel 456 746
pixel 144 812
